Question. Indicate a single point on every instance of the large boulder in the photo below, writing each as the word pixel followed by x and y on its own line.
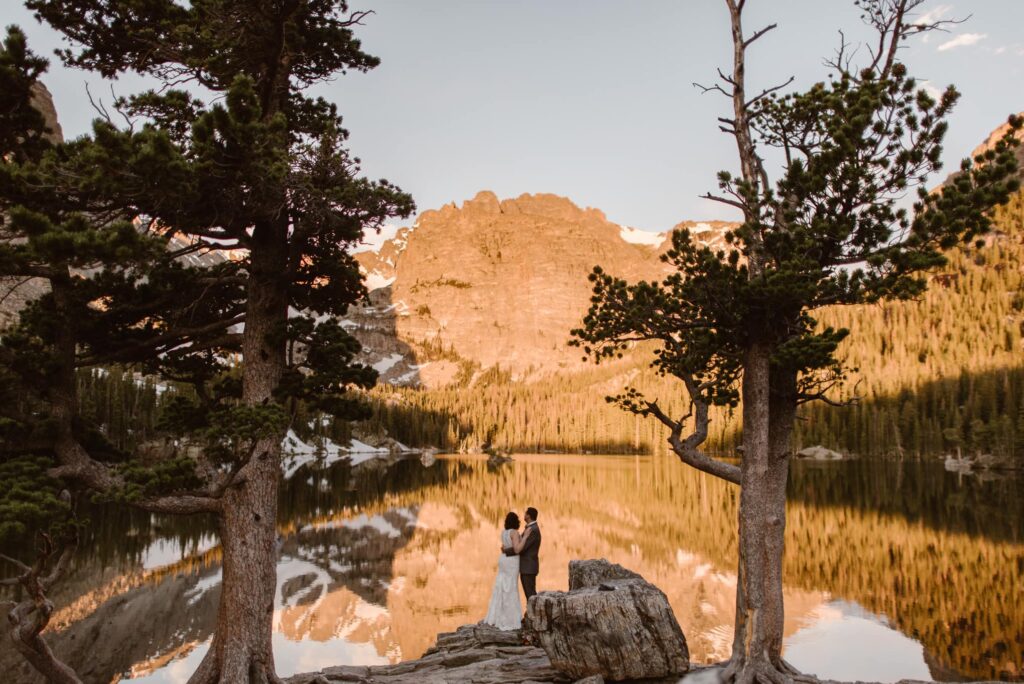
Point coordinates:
pixel 591 573
pixel 613 623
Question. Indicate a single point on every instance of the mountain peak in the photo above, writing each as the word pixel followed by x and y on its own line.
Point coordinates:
pixel 495 282
pixel 486 203
pixel 995 136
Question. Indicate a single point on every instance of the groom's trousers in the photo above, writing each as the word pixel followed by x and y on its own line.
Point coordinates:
pixel 529 585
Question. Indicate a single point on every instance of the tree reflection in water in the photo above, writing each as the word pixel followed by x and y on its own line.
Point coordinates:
pixel 376 560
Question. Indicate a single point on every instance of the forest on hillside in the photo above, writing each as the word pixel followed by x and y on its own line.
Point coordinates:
pixel 933 376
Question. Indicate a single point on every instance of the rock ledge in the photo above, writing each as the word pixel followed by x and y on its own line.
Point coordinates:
pixel 473 653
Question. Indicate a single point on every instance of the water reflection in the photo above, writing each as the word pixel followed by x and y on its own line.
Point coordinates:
pixel 843 640
pixel 893 570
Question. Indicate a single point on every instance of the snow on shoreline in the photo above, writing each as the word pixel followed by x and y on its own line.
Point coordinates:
pixel 298 452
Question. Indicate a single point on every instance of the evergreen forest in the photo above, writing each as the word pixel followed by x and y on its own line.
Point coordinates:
pixel 939 375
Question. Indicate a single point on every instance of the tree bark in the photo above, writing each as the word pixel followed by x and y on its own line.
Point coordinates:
pixel 769 411
pixel 29 642
pixel 32 615
pixel 241 648
pixel 750 649
pixel 782 404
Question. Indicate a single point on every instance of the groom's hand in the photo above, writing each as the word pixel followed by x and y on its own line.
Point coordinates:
pixel 508 550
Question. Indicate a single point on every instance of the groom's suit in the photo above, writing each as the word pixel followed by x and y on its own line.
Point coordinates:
pixel 529 564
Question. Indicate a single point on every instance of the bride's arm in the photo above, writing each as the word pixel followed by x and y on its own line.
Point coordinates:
pixel 519 541
pixel 511 550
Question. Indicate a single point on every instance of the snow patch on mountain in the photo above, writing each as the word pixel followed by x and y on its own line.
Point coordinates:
pixel 375 281
pixel 635 236
pixel 373 240
pixel 385 364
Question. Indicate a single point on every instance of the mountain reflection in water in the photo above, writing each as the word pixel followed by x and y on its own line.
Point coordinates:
pixel 893 570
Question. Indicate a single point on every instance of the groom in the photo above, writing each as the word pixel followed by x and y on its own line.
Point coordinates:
pixel 529 565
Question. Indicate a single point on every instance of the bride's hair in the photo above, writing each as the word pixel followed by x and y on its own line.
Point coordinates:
pixel 511 521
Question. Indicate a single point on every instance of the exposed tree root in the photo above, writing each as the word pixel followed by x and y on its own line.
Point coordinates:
pixel 763 670
pixel 207 671
pixel 234 670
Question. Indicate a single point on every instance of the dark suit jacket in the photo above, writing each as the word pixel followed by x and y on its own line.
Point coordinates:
pixel 528 561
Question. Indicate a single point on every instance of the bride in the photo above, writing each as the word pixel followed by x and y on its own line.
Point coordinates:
pixel 504 611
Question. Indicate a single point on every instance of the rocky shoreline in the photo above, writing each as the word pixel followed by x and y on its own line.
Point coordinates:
pixel 473 653
pixel 612 625
pixel 481 654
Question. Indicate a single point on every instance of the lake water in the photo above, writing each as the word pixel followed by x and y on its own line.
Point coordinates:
pixel 893 570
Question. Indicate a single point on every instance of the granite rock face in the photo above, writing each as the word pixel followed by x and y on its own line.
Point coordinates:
pixel 494 282
pixel 620 629
pixel 591 573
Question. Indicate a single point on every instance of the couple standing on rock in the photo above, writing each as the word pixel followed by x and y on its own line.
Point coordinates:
pixel 518 559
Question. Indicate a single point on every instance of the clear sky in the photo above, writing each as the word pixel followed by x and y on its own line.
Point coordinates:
pixel 593 99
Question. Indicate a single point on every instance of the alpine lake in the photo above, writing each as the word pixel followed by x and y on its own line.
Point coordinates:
pixel 893 570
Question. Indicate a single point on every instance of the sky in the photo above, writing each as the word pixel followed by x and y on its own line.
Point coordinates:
pixel 594 99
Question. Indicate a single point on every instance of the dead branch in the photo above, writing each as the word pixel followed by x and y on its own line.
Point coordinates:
pixel 768 91
pixel 757 34
pixel 687 449
pixel 724 200
pixel 752 167
pixel 31 616
pixel 98 106
pixel 356 18
pixel 707 89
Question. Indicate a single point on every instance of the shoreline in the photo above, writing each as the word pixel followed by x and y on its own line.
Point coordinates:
pixel 482 654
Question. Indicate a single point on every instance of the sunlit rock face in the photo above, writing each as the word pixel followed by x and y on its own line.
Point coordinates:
pixel 495 282
pixel 995 136
pixel 990 142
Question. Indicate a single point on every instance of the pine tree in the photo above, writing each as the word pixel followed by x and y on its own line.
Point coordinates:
pixel 45 237
pixel 828 231
pixel 252 165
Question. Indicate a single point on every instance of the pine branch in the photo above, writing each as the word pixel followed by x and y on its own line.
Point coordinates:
pixel 158 344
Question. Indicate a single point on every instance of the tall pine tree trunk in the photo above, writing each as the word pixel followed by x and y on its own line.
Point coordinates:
pixel 767 426
pixel 241 650
pixel 29 618
pixel 782 417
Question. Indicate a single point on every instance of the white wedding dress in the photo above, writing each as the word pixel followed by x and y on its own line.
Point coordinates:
pixel 504 611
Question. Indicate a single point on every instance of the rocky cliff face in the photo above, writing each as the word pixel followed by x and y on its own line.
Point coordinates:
pixel 495 283
pixel 500 283
pixel 43 101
